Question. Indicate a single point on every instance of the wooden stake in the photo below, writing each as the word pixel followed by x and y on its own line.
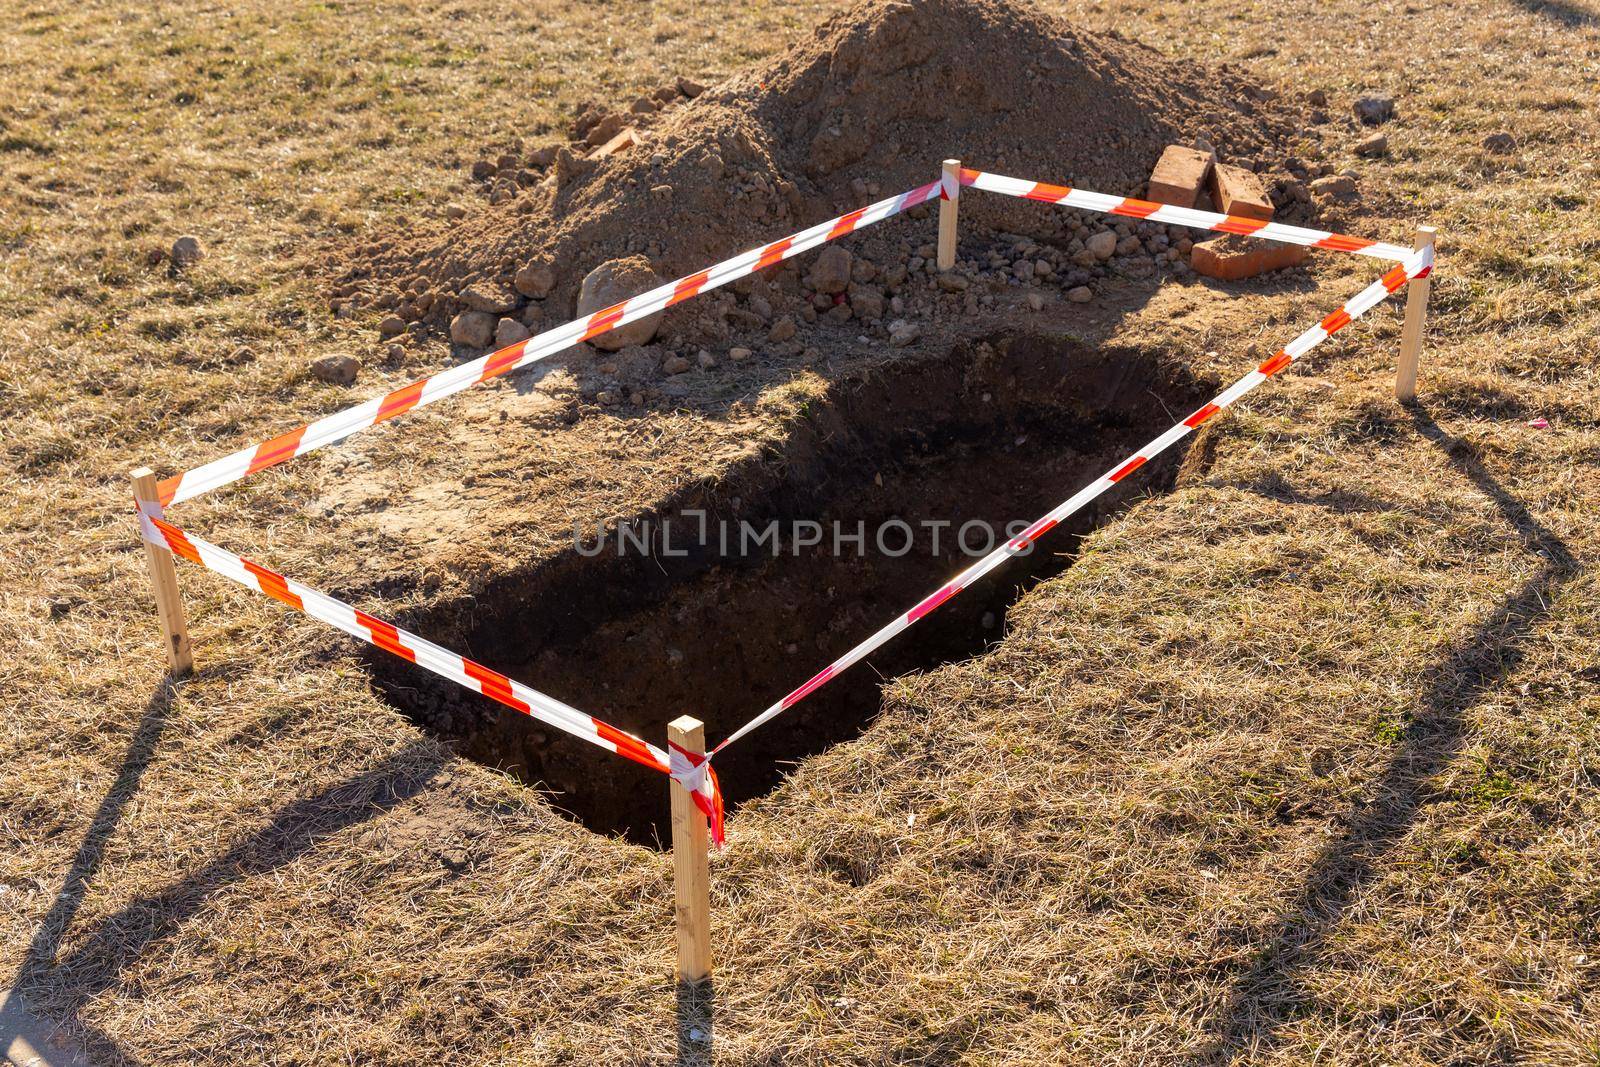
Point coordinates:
pixel 947 215
pixel 691 863
pixel 1405 378
pixel 164 579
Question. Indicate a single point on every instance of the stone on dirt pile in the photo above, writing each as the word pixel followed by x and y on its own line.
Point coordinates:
pixel 831 271
pixel 535 281
pixel 1102 245
pixel 611 283
pixel 509 332
pixel 475 329
pixel 483 298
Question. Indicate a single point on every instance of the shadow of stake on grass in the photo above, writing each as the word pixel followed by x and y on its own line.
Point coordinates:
pixel 120 939
pixel 1267 994
pixel 40 959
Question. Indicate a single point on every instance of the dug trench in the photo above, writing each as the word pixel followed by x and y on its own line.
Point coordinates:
pixel 993 432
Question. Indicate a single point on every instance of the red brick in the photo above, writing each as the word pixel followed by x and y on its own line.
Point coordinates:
pixel 1179 176
pixel 1236 191
pixel 1231 258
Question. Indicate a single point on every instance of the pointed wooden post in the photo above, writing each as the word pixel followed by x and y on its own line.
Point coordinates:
pixel 1405 378
pixel 950 180
pixel 691 863
pixel 164 579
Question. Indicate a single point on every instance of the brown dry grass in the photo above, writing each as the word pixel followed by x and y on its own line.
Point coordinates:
pixel 1297 764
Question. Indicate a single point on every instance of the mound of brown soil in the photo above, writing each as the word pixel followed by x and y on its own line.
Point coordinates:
pixel 867 107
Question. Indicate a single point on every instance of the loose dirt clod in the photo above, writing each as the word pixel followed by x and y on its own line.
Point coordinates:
pixel 186 251
pixel 336 370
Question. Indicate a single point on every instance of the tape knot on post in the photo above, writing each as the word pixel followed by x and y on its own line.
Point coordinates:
pixel 150 509
pixel 693 771
pixel 1425 262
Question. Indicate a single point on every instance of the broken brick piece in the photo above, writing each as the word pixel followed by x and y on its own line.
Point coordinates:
pixel 1179 176
pixel 1236 191
pixel 1231 258
pixel 623 140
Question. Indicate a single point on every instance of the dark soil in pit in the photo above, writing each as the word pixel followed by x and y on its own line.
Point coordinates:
pixel 999 431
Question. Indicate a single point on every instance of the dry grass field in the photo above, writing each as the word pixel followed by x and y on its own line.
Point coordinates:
pixel 1297 763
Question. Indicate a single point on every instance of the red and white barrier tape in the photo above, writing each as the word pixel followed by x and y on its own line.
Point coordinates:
pixel 1417 265
pixel 342 424
pixel 690 770
pixel 1182 216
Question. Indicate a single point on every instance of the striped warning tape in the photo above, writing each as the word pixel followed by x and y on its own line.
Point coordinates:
pixel 692 770
pixel 1418 264
pixel 1182 216
pixel 338 426
pixel 688 768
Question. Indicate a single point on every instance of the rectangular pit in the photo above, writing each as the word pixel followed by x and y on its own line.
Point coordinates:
pixel 992 433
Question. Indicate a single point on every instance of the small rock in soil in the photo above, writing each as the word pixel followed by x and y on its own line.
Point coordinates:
pixel 1500 143
pixel 535 280
pixel 866 301
pixel 475 329
pixel 831 271
pixel 689 88
pixel 611 283
pixel 186 251
pixel 1337 186
pixel 675 365
pixel 336 370
pixel 509 332
pixel 482 298
pixel 1374 146
pixel 782 330
pixel 739 355
pixel 1080 295
pixel 903 333
pixel 1102 245
pixel 391 326
pixel 605 129
pixel 952 282
pixel 1374 109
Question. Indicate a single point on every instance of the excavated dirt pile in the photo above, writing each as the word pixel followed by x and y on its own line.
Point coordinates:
pixel 866 107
